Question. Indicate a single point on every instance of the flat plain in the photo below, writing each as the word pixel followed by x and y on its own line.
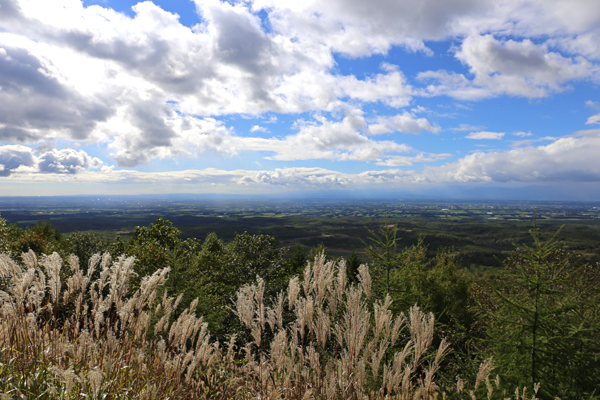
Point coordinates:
pixel 482 233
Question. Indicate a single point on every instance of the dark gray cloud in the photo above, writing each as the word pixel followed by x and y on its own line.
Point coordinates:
pixel 33 101
pixel 9 9
pixel 44 147
pixel 241 42
pixel 150 134
pixel 22 72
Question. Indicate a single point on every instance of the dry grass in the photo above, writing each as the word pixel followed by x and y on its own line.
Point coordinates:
pixel 64 335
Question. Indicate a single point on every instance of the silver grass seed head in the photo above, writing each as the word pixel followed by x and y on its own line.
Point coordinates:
pixel 365 279
pixel 245 305
pixel 293 291
pixel 460 384
pixel 8 267
pixel 342 279
pixel 484 371
pixel 52 265
pixel 73 262
pixel 489 387
pixel 106 259
pixel 306 283
pixel 29 259
pixel 96 377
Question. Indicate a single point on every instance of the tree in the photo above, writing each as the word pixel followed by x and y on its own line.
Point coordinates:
pixel 544 322
pixel 5 237
pixel 249 256
pixel 296 263
pixel 150 245
pixel 42 238
pixel 214 271
pixel 383 251
pixel 352 265
pixel 84 246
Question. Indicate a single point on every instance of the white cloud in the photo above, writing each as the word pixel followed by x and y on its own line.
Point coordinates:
pixel 36 101
pixel 564 160
pixel 485 135
pixel 390 88
pixel 147 133
pixel 405 123
pixel 257 128
pixel 357 28
pixel 567 159
pixel 20 159
pixel 516 68
pixel 592 104
pixel 397 161
pixel 94 75
pixel 466 127
pixel 333 140
pixel 523 134
pixel 519 143
pixel 594 119
pixel 150 88
pixel 586 44
pixel 66 161
pixel 13 157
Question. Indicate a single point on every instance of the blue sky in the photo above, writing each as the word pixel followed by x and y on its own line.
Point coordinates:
pixel 275 96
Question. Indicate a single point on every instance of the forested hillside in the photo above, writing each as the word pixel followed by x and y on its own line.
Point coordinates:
pixel 157 316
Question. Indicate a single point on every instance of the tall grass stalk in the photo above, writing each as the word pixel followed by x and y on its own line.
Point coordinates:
pixel 66 334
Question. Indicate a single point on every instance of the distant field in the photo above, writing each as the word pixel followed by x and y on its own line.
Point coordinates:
pixel 482 233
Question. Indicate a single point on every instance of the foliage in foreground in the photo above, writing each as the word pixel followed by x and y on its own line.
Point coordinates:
pixel 87 336
pixel 543 320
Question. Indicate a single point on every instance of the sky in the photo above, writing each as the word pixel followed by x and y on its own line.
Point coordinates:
pixel 278 96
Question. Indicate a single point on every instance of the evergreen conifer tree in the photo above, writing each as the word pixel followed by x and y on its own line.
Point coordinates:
pixel 544 321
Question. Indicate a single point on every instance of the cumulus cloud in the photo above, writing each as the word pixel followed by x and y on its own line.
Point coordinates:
pixel 95 75
pixel 485 135
pixel 12 157
pixel 47 145
pixel 258 128
pixel 358 29
pixel 67 161
pixel 21 159
pixel 571 158
pixel 517 68
pixel 162 133
pixel 150 88
pixel 35 100
pixel 171 135
pixel 390 88
pixel 333 140
pixel 568 159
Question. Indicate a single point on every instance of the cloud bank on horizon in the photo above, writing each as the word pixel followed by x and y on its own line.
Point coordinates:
pixel 275 95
